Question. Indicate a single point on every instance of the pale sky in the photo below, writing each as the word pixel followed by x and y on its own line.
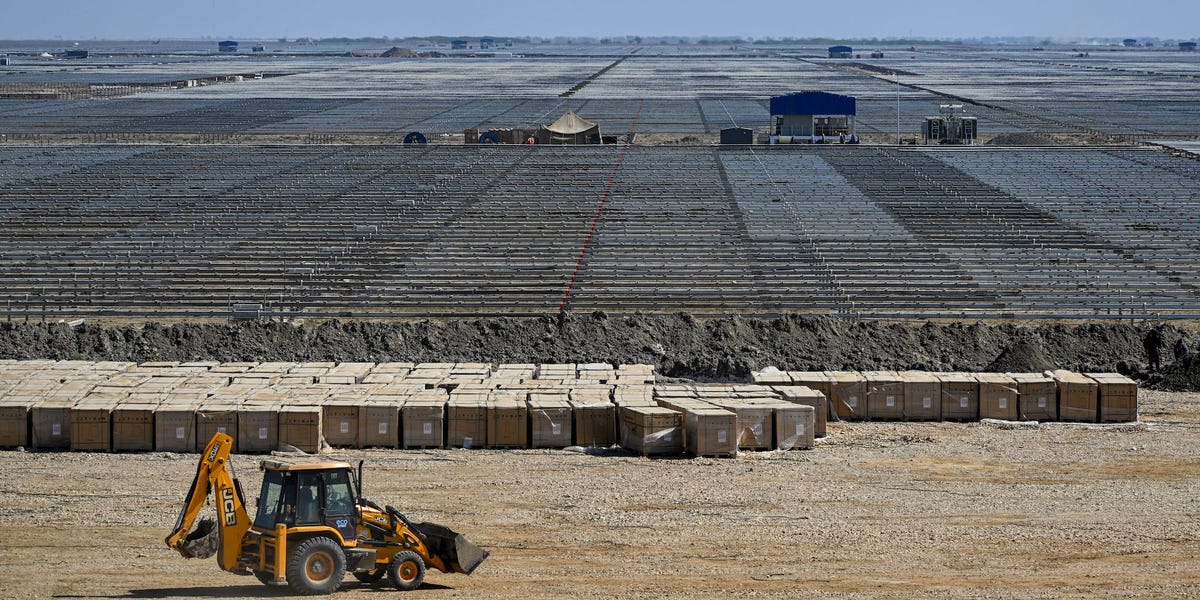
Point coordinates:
pixel 269 19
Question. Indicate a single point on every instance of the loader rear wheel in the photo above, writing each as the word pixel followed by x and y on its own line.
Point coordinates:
pixel 406 571
pixel 316 566
pixel 371 576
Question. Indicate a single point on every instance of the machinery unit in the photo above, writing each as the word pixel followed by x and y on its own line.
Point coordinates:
pixel 952 127
pixel 311 527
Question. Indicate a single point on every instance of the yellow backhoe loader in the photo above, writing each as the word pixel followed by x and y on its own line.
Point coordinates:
pixel 312 527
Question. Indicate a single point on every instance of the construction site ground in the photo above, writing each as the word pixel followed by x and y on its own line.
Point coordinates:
pixel 877 509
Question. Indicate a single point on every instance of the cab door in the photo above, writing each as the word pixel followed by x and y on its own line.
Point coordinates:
pixel 340 511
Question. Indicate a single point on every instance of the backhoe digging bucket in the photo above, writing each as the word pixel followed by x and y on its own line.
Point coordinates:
pixel 201 542
pixel 460 555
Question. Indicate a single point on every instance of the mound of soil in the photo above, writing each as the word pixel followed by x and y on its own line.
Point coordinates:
pixel 1022 139
pixel 679 345
pixel 1179 376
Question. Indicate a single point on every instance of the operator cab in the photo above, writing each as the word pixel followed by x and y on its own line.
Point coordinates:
pixel 308 495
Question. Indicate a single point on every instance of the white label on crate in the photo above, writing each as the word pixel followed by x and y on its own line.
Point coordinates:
pixel 429 429
pixel 383 428
pixel 344 427
pixel 757 429
pixel 799 428
pixel 467 443
pixel 179 433
pixel 262 433
pixel 852 401
pixel 721 437
pixel 1003 403
pixel 927 402
pixel 220 430
pixel 56 429
pixel 556 428
pixel 1041 402
pixel 891 401
pixel 962 402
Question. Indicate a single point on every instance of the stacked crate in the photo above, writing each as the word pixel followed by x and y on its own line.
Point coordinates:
pixel 550 420
pixel 960 396
pixel 998 397
pixel 508 419
pixel 1117 395
pixel 1078 396
pixel 803 395
pixel 922 396
pixel 885 395
pixel 651 430
pixel 423 419
pixel 595 417
pixel 1037 395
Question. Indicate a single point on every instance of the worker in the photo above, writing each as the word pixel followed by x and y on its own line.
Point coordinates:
pixel 1180 349
pixel 531 141
pixel 1153 344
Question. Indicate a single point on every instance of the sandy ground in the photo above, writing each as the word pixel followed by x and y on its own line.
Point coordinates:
pixel 878 509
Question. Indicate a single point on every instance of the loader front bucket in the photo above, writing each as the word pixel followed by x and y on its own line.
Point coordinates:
pixel 459 554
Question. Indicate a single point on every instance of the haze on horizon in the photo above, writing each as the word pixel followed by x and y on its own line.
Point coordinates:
pixel 270 19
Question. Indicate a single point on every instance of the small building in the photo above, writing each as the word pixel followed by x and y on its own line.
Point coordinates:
pixel 76 54
pixel 841 52
pixel 1129 43
pixel 569 129
pixel 458 44
pixel 227 46
pixel 1187 46
pixel 485 43
pixel 813 114
pixel 737 135
pixel 258 48
pixel 4 61
pixel 877 54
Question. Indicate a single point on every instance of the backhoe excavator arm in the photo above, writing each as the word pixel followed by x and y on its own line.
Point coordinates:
pixel 215 475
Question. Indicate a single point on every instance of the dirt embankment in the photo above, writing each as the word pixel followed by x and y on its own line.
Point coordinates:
pixel 679 345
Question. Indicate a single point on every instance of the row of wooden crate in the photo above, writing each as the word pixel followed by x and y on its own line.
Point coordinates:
pixel 917 395
pixel 755 418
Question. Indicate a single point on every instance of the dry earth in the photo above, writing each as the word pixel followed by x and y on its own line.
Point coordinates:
pixel 878 509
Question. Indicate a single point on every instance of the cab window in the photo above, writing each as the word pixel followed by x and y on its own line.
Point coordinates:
pixel 338 501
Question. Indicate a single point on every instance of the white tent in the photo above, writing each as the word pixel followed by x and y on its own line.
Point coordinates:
pixel 569 129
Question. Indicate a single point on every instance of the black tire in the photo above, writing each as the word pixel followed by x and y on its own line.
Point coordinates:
pixel 316 566
pixel 371 576
pixel 406 571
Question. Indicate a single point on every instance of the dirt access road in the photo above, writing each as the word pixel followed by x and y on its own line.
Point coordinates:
pixel 901 510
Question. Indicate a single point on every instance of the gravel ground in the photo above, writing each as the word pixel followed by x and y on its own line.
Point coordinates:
pixel 877 509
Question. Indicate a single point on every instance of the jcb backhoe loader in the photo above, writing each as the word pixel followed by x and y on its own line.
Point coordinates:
pixel 312 526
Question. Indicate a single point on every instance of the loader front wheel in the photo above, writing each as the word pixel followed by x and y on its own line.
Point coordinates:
pixel 406 571
pixel 316 566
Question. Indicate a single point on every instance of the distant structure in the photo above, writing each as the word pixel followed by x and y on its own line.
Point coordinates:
pixel 227 46
pixel 877 54
pixel 1187 46
pixel 76 54
pixel 258 48
pixel 569 129
pixel 1129 43
pixel 458 44
pixel 4 61
pixel 952 127
pixel 737 135
pixel 841 52
pixel 485 43
pixel 812 117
